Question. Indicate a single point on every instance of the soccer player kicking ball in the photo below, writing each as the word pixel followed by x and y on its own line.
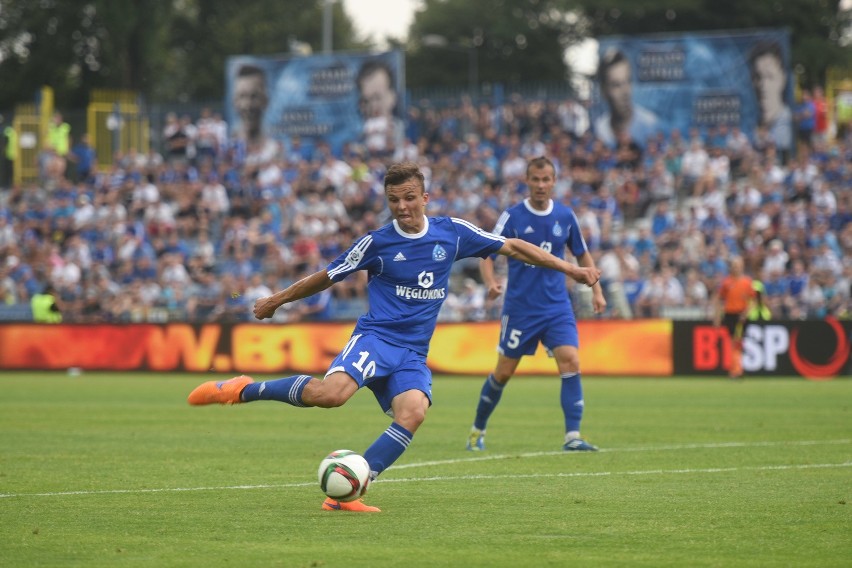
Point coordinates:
pixel 408 262
pixel 537 306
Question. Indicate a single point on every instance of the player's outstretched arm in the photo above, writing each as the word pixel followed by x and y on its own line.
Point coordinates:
pixel 598 300
pixel 308 286
pixel 521 250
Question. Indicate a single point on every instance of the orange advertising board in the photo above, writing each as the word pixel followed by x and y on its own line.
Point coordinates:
pixel 607 348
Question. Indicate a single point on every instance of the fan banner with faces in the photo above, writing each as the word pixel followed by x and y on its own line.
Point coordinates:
pixel 653 84
pixel 337 99
pixel 642 347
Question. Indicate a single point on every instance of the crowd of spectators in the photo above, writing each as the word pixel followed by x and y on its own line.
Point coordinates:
pixel 198 230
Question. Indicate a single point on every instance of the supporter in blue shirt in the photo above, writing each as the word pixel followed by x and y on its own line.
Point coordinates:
pixel 316 307
pixel 22 273
pixel 714 221
pixel 797 279
pixel 841 217
pixel 633 285
pixel 644 244
pixel 805 118
pixel 102 252
pixel 663 220
pixel 83 158
pixel 713 266
pixel 175 244
pixel 144 269
pixel 604 203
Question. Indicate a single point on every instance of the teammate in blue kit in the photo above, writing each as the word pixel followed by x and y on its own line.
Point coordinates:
pixel 408 262
pixel 537 306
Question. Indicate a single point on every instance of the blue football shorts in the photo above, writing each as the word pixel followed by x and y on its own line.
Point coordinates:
pixel 520 334
pixel 384 368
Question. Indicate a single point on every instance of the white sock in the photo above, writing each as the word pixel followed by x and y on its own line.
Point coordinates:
pixel 573 435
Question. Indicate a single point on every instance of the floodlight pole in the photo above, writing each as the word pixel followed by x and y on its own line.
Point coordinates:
pixel 327 26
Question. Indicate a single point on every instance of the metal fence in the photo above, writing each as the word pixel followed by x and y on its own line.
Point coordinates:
pixel 116 122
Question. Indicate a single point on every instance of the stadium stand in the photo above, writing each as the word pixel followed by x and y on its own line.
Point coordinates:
pixel 199 235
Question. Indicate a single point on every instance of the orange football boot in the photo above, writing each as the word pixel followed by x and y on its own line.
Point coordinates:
pixel 357 506
pixel 221 392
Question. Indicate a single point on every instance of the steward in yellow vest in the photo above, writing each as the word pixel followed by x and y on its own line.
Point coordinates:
pixel 758 310
pixel 45 309
pixel 59 135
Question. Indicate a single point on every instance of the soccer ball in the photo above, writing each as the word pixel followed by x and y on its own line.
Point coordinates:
pixel 344 475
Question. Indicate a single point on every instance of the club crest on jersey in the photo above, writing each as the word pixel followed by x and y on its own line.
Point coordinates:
pixel 557 230
pixel 438 253
pixel 426 279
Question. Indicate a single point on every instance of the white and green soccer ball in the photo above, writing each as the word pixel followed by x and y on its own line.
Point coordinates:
pixel 344 475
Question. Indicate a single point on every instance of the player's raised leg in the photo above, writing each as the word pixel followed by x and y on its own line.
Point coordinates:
pixel 219 392
pixel 298 390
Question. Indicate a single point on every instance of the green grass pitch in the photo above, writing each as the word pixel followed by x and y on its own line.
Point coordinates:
pixel 117 470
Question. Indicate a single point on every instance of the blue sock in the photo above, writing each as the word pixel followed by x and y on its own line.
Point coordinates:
pixel 572 401
pixel 387 448
pixel 287 390
pixel 488 399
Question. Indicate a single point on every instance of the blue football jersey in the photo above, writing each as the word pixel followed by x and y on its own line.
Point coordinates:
pixel 409 275
pixel 531 289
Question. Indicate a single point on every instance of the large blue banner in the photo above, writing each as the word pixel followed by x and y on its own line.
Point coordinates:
pixel 273 100
pixel 650 84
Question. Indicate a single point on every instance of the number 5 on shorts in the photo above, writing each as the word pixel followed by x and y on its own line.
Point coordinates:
pixel 514 338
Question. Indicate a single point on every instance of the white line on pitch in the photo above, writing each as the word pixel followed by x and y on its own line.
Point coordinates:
pixel 163 490
pixel 449 478
pixel 613 473
pixel 627 449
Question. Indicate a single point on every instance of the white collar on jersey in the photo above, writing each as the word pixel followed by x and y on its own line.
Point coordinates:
pixel 412 235
pixel 536 211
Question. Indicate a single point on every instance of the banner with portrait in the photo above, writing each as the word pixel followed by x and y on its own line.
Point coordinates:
pixel 651 84
pixel 316 98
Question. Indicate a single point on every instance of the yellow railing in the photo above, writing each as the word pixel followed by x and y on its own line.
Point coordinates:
pixel 27 125
pixel 838 83
pixel 115 124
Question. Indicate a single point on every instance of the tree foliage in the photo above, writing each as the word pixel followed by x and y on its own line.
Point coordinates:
pixel 205 35
pixel 167 50
pixel 175 50
pixel 75 46
pixel 514 41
